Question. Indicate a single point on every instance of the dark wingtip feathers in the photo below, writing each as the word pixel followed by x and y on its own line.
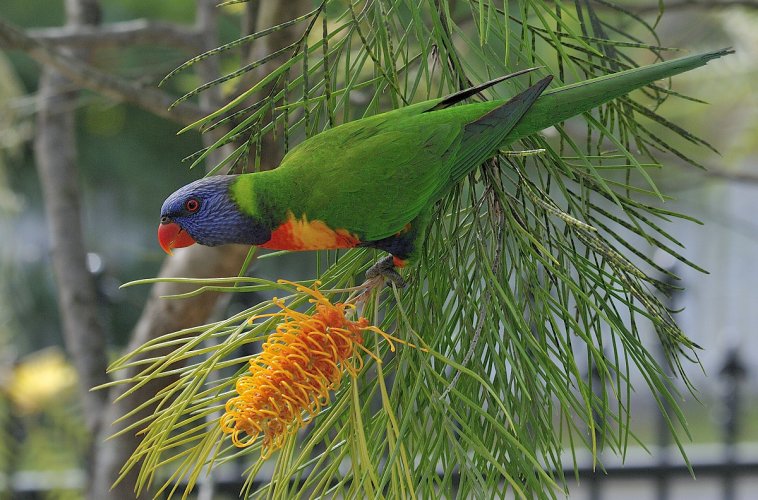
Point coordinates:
pixel 465 94
pixel 518 104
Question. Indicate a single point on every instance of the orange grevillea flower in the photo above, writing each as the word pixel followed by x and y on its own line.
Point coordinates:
pixel 290 379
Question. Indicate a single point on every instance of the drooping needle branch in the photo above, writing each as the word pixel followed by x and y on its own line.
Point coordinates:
pixel 671 5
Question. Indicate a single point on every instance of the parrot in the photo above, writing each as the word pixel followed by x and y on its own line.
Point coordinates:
pixel 374 182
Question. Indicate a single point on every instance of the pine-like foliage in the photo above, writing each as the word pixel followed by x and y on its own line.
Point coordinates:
pixel 537 267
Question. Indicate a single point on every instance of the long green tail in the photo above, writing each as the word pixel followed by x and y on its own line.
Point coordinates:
pixel 555 106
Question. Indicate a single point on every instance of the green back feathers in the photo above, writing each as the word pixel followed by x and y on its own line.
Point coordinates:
pixel 375 175
pixel 370 180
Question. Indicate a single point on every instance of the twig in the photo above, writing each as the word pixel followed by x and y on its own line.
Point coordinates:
pixel 88 77
pixel 728 175
pixel 685 4
pixel 127 33
pixel 709 170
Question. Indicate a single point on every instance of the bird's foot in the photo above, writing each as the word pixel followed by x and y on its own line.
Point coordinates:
pixel 384 270
pixel 381 273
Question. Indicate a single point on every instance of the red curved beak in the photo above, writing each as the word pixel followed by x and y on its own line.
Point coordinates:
pixel 171 235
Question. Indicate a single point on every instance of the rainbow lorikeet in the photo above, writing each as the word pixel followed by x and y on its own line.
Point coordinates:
pixel 373 182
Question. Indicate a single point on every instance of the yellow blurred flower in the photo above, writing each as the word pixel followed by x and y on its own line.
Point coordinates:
pixel 39 378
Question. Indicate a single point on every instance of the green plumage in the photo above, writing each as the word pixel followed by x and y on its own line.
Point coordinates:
pixel 373 176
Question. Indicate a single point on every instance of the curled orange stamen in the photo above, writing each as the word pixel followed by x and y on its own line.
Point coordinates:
pixel 290 380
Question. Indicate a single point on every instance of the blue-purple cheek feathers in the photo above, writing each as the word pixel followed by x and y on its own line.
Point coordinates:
pixel 205 210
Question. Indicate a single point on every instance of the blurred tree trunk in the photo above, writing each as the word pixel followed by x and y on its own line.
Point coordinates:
pixel 56 157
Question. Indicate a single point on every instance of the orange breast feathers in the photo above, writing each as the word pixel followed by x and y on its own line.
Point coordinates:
pixel 302 234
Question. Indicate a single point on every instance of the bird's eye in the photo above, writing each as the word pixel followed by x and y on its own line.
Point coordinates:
pixel 192 205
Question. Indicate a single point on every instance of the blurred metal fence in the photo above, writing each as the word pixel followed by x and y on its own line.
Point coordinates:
pixel 726 461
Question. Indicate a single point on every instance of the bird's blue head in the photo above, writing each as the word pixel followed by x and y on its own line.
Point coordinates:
pixel 204 212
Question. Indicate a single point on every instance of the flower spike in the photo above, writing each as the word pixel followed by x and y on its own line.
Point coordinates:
pixel 301 362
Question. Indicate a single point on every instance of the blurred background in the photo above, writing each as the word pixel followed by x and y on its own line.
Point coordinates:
pixel 129 160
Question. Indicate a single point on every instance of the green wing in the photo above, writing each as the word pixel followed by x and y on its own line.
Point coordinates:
pixel 374 176
pixel 370 180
